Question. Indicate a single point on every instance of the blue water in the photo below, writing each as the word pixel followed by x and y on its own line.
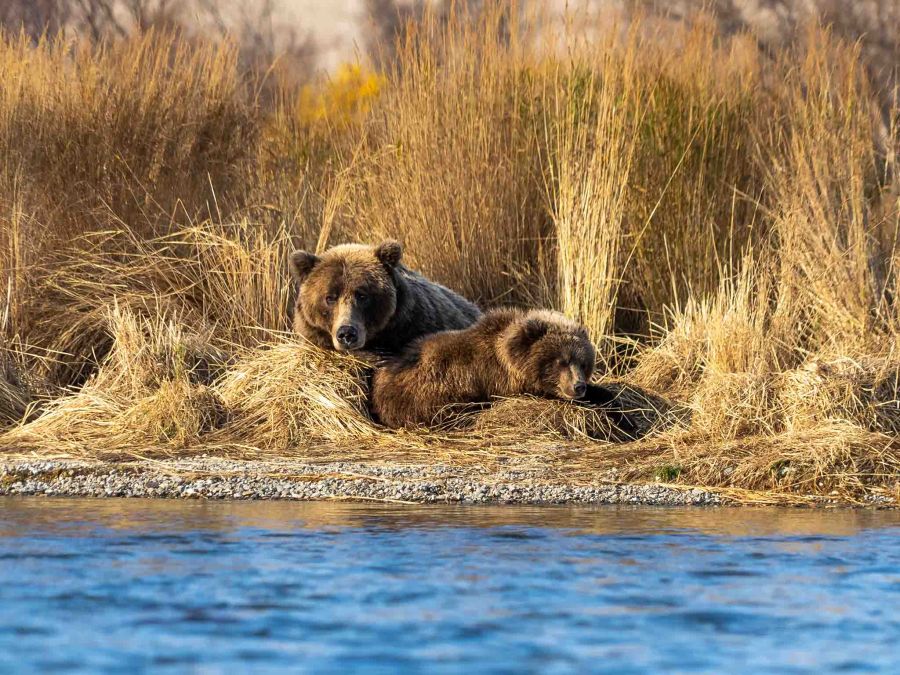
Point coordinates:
pixel 124 585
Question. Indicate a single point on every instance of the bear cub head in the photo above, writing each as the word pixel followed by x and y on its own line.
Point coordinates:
pixel 552 354
pixel 349 291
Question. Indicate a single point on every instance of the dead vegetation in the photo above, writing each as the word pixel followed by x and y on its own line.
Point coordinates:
pixel 723 218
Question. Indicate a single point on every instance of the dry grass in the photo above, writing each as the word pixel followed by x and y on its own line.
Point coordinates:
pixel 151 389
pixel 138 127
pixel 291 394
pixel 15 396
pixel 453 159
pixel 635 414
pixel 595 157
pixel 723 218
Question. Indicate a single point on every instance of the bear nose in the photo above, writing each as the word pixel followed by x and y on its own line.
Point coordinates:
pixel 347 335
pixel 580 389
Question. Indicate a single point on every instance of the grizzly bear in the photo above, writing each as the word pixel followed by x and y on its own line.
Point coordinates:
pixel 506 353
pixel 355 296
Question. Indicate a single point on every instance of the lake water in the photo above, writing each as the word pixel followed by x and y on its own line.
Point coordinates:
pixel 124 585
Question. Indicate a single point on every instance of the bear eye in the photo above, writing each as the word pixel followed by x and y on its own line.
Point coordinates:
pixel 330 299
pixel 362 298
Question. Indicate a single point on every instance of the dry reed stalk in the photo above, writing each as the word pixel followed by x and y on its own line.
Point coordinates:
pixel 454 166
pixel 595 156
pixel 142 126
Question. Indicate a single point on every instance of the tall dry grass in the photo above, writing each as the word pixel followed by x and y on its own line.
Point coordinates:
pixel 141 130
pixel 721 216
pixel 594 160
pixel 453 159
pixel 136 127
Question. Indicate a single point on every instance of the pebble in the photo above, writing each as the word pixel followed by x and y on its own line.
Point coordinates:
pixel 213 478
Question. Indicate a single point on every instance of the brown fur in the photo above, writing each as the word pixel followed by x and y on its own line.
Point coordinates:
pixel 506 353
pixel 365 296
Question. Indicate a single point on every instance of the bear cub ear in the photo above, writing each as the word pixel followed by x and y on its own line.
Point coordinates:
pixel 389 252
pixel 525 335
pixel 532 331
pixel 302 263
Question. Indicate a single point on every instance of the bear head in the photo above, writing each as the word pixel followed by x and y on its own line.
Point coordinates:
pixel 550 354
pixel 349 291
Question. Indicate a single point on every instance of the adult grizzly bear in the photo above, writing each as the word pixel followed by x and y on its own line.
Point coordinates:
pixel 506 353
pixel 355 296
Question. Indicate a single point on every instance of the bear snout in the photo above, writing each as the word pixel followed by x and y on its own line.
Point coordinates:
pixel 573 390
pixel 572 383
pixel 348 337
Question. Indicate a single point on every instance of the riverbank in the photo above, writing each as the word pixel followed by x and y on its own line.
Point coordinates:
pixel 210 478
pixel 206 478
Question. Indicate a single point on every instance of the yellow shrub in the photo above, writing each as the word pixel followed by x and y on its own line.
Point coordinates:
pixel 342 98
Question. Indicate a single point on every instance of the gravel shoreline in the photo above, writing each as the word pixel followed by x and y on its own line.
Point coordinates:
pixel 207 478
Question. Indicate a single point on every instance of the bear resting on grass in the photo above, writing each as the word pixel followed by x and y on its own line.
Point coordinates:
pixel 360 297
pixel 506 353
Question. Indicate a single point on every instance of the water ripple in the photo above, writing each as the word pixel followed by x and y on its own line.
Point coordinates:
pixel 132 585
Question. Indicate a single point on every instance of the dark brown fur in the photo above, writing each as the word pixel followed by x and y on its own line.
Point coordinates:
pixel 360 297
pixel 506 353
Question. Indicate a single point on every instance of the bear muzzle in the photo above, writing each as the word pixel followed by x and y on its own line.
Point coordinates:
pixel 348 332
pixel 572 384
pixel 573 391
pixel 348 337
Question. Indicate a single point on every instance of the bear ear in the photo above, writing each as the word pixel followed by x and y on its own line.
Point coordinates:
pixel 532 331
pixel 302 263
pixel 525 335
pixel 389 252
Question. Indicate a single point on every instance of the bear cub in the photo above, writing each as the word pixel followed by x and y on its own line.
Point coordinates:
pixel 355 296
pixel 506 353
